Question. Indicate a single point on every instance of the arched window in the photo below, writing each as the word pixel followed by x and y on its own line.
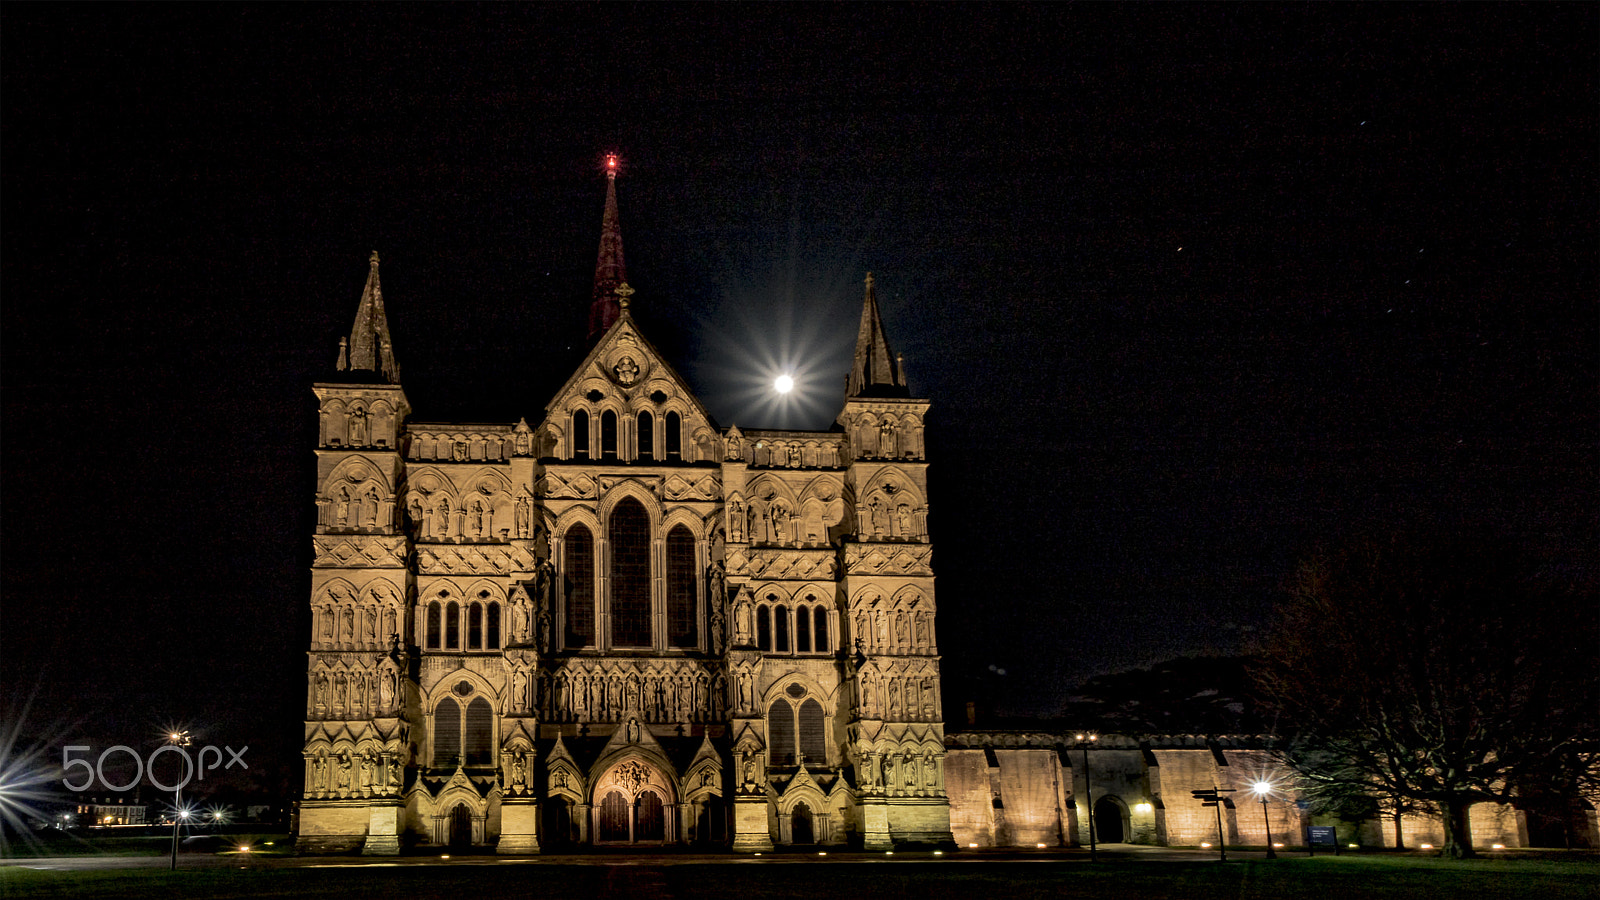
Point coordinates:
pixel 475 626
pixel 780 628
pixel 681 583
pixel 674 436
pixel 780 733
pixel 763 627
pixel 452 626
pixel 433 625
pixel 802 629
pixel 446 733
pixel 579 573
pixel 493 639
pixel 608 435
pixel 478 736
pixel 580 435
pixel 629 533
pixel 820 628
pixel 647 436
pixel 813 735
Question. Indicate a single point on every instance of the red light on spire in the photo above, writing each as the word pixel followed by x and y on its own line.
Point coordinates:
pixel 613 164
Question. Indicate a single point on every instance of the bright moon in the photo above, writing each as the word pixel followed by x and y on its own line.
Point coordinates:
pixel 784 384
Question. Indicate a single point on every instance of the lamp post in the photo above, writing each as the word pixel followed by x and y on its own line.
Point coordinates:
pixel 177 739
pixel 1262 789
pixel 1084 742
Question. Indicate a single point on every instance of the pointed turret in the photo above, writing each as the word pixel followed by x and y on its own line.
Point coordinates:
pixel 875 372
pixel 609 270
pixel 369 347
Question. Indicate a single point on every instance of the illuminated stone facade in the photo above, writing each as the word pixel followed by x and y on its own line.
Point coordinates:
pixel 623 623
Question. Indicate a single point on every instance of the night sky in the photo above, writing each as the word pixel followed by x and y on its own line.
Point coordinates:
pixel 1192 289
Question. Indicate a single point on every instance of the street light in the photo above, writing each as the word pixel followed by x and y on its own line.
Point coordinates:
pixel 1084 742
pixel 1263 789
pixel 177 739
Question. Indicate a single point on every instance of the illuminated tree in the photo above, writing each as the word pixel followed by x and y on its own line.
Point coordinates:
pixel 1433 674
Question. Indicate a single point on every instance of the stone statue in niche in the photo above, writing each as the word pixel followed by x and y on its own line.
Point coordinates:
pixel 524 510
pixel 735 445
pixel 441 523
pixel 878 515
pixel 542 617
pixel 736 522
pixel 519 617
pixel 559 779
pixel 886 438
pixel 414 511
pixel 743 618
pixel 386 692
pixel 627 371
pixel 519 766
pixel 342 508
pixel 719 625
pixel 519 685
pixel 633 731
pixel 524 439
pixel 358 428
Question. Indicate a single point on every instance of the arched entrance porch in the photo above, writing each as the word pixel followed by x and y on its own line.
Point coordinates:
pixel 633 803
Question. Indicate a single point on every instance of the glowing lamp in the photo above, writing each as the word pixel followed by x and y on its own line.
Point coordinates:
pixel 1143 807
pixel 1040 846
pixel 972 846
pixel 1427 846
pixel 1498 847
pixel 1206 845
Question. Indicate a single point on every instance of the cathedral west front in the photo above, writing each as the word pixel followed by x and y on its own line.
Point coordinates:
pixel 622 624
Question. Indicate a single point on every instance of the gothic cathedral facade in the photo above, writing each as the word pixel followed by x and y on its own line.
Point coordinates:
pixel 624 624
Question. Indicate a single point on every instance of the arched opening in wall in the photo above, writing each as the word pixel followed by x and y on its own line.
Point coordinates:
pixel 780 733
pixel 674 436
pixel 802 630
pixel 579 573
pixel 713 827
pixel 629 532
pixel 478 741
pixel 763 628
pixel 780 629
pixel 614 817
pixel 452 626
pixel 820 628
pixel 813 735
pixel 800 831
pixel 446 733
pixel 1108 821
pixel 433 625
pixel 557 823
pixel 647 437
pixel 460 826
pixel 475 626
pixel 682 617
pixel 608 435
pixel 651 824
pixel 580 435
pixel 493 638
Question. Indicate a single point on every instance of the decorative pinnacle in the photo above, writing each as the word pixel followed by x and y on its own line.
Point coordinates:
pixel 869 279
pixel 373 259
pixel 623 292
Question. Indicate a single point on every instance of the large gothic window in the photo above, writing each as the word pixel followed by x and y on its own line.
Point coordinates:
pixel 681 606
pixel 446 733
pixel 780 733
pixel 478 736
pixel 647 436
pixel 813 737
pixel 579 546
pixel 608 435
pixel 674 436
pixel 629 533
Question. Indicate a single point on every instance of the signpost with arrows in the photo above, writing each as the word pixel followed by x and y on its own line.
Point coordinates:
pixel 1213 797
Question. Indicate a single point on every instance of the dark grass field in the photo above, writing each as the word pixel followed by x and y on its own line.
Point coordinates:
pixel 953 879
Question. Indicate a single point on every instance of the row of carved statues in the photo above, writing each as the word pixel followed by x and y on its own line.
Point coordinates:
pixel 355 693
pixel 893 631
pixel 576 693
pixel 899 773
pixel 898 698
pixel 342 622
pixel 355 506
pixel 346 773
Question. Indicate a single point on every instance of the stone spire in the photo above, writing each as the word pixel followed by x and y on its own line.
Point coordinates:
pixel 609 271
pixel 369 347
pixel 875 372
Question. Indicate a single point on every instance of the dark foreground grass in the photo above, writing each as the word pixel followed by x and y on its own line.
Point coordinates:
pixel 1300 879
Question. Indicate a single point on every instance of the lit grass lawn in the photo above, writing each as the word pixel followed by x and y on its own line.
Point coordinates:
pixel 1319 879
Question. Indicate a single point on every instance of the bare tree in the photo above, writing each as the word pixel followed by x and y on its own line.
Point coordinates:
pixel 1436 674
